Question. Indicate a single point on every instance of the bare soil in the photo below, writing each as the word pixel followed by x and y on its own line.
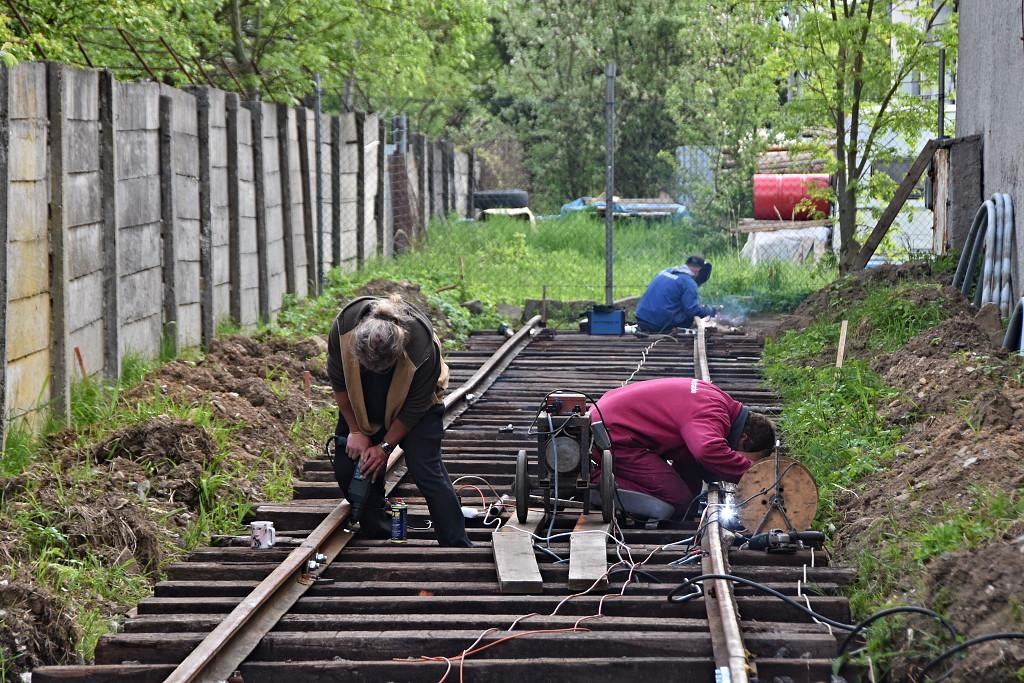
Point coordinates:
pixel 143 490
pixel 961 407
pixel 33 626
pixel 829 302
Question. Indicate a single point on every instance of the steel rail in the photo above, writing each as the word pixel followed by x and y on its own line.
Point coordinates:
pixel 238 634
pixel 719 599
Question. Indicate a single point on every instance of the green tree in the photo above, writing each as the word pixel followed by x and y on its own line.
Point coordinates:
pixel 370 54
pixel 853 60
pixel 725 100
pixel 552 92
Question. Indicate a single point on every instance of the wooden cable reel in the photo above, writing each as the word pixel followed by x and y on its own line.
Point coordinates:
pixel 776 493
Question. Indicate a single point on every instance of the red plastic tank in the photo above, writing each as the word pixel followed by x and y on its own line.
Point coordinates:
pixel 778 194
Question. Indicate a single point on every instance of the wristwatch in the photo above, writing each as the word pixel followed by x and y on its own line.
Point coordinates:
pixel 386 447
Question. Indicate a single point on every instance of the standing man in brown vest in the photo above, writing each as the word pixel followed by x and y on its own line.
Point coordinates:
pixel 385 366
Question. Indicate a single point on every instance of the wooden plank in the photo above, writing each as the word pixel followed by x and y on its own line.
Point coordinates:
pixel 163 648
pixel 588 552
pixel 748 225
pixel 841 350
pixel 940 202
pixel 514 557
pixel 897 202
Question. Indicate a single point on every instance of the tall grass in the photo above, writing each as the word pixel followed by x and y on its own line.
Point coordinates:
pixel 505 261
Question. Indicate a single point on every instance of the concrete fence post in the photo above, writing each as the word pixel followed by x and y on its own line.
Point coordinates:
pixel 382 171
pixel 309 230
pixel 446 182
pixel 5 140
pixel 234 209
pixel 432 177
pixel 336 143
pixel 108 199
pixel 167 231
pixel 60 385
pixel 284 164
pixel 259 185
pixel 471 184
pixel 419 144
pixel 206 282
pixel 360 189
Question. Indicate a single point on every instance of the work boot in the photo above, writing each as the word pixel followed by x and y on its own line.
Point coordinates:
pixel 374 525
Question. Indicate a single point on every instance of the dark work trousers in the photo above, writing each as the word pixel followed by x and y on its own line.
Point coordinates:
pixel 422 446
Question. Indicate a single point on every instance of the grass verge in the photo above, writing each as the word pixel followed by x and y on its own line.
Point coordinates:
pixel 505 261
pixel 832 423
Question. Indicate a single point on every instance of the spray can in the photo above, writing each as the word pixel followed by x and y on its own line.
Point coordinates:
pixel 399 517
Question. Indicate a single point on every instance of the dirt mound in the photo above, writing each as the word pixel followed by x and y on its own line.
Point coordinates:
pixel 982 602
pixel 255 384
pixel 942 367
pixel 413 294
pixel 34 630
pixel 830 303
pixel 161 442
pixel 172 453
pixel 943 459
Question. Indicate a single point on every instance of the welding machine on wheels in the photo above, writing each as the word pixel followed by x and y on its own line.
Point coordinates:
pixel 565 440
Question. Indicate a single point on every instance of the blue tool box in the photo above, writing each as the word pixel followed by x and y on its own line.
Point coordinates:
pixel 606 320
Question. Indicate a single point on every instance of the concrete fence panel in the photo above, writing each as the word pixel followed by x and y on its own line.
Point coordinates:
pixel 273 203
pixel 137 215
pixel 27 277
pixel 348 166
pixel 244 253
pixel 326 152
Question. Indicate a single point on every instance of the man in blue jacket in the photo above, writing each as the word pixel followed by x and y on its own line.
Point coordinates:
pixel 671 300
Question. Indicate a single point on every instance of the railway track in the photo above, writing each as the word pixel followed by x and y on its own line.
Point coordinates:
pixel 385 612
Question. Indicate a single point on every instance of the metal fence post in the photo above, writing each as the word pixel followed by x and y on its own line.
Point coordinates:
pixel 609 177
pixel 317 107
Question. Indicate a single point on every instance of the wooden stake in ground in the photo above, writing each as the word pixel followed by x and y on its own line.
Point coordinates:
pixel 307 382
pixel 841 351
pixel 81 363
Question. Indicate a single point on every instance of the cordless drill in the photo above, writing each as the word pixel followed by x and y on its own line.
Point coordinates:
pixel 358 487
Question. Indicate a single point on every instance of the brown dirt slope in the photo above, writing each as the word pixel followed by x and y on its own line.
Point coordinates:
pixel 131 495
pixel 961 407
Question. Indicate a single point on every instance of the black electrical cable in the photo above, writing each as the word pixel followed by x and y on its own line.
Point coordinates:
pixel 548 551
pixel 889 612
pixel 963 646
pixel 759 586
pixel 636 572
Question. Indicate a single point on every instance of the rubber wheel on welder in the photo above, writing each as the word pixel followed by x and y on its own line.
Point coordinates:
pixel 607 487
pixel 500 199
pixel 522 487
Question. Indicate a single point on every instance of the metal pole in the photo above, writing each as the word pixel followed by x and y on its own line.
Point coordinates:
pixel 609 177
pixel 942 92
pixel 319 188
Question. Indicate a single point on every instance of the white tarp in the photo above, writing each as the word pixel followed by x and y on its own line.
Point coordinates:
pixel 787 245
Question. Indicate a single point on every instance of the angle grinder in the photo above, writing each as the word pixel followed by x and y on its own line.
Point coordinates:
pixel 358 487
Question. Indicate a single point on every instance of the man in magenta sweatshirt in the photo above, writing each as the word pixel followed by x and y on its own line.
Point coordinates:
pixel 670 435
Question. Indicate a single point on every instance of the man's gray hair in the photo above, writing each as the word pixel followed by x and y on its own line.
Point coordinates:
pixel 381 336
